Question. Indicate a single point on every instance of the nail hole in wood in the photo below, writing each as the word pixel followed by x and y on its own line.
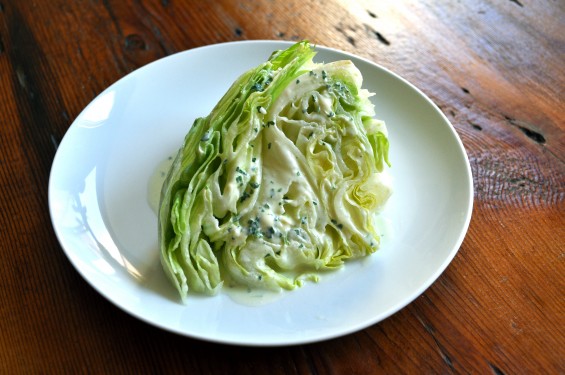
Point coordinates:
pixel 382 39
pixel 134 42
pixel 517 2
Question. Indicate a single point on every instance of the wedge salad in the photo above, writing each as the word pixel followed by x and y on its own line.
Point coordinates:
pixel 281 182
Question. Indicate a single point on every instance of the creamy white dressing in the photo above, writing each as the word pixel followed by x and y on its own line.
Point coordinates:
pixel 325 102
pixel 155 183
pixel 250 296
pixel 284 167
pixel 384 228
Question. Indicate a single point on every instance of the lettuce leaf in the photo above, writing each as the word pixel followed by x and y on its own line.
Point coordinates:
pixel 281 181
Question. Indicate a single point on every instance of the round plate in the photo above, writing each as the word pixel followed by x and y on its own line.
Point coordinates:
pixel 100 181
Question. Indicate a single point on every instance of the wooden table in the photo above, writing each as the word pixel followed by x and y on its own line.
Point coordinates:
pixel 496 69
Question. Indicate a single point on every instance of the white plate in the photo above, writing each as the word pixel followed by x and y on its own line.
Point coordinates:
pixel 98 199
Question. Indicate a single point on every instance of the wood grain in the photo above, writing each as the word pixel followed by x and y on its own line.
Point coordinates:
pixel 494 68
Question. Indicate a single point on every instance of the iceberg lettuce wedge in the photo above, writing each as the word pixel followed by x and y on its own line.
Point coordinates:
pixel 281 181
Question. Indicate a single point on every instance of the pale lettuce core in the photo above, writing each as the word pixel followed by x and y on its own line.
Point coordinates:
pixel 281 181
